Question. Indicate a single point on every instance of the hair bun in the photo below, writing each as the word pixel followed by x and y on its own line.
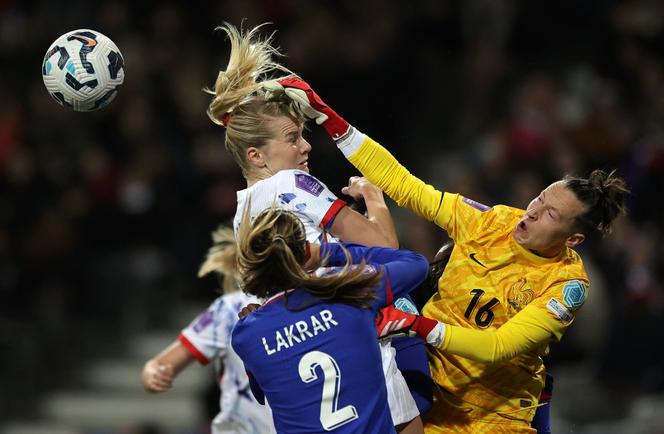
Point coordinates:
pixel 597 180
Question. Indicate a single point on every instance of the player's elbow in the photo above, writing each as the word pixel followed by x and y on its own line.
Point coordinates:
pixel 503 351
pixel 382 240
pixel 501 357
pixel 420 265
pixel 392 243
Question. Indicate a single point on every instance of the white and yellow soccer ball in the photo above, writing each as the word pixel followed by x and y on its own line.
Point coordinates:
pixel 83 70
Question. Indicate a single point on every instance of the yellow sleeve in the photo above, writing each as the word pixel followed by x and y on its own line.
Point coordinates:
pixel 380 167
pixel 525 331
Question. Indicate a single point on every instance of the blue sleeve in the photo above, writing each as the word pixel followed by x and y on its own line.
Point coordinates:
pixel 372 255
pixel 256 390
pixel 405 274
pixel 403 270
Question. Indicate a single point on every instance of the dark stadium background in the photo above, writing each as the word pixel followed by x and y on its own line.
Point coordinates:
pixel 105 216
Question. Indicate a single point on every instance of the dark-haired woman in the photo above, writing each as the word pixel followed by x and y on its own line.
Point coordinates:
pixel 513 283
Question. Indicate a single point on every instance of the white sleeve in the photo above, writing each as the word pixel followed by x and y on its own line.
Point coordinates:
pixel 308 197
pixel 208 336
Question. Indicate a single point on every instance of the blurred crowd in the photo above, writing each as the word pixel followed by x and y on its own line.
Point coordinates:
pixel 105 216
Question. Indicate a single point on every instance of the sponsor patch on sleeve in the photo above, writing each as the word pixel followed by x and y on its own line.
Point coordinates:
pixel 309 184
pixel 476 205
pixel 203 321
pixel 559 310
pixel 574 294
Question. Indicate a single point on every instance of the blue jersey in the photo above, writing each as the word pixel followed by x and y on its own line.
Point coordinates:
pixel 320 367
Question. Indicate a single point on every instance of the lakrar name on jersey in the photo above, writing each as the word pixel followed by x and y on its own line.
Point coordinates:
pixel 299 332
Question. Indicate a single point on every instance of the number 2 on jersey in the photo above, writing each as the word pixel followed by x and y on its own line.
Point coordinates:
pixel 331 417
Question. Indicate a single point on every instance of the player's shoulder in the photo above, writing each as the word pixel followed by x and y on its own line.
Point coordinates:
pixel 570 280
pixel 238 296
pixel 243 327
pixel 487 212
pixel 572 258
pixel 290 181
pixel 569 268
pixel 292 176
pixel 303 181
pixel 494 219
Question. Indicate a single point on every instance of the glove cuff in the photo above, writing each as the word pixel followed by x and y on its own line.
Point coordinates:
pixel 336 126
pixel 351 142
pixel 436 337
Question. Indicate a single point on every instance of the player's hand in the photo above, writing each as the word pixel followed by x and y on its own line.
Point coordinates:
pixel 308 101
pixel 248 309
pixel 392 322
pixel 359 188
pixel 157 377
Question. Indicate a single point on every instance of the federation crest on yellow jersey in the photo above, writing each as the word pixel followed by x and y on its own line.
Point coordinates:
pixel 520 295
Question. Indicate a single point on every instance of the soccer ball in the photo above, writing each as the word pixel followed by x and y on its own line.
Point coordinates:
pixel 83 69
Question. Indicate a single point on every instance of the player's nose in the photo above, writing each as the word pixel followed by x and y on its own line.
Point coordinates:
pixel 305 146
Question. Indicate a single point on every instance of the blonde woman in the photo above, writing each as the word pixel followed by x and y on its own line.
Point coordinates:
pixel 264 137
pixel 207 339
pixel 311 347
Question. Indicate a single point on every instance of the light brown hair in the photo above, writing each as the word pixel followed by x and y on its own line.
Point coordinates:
pixel 271 254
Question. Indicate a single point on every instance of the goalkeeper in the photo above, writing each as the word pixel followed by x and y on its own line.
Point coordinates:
pixel 513 284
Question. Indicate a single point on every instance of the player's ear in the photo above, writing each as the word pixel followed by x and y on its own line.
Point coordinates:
pixel 255 157
pixel 574 239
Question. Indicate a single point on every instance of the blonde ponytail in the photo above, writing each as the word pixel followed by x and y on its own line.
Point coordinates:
pixel 249 64
pixel 221 258
pixel 239 102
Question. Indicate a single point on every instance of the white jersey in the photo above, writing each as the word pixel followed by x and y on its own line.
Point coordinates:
pixel 208 338
pixel 316 206
pixel 297 191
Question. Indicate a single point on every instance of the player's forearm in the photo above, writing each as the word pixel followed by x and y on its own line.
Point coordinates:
pixel 519 335
pixel 379 215
pixel 486 346
pixel 402 265
pixel 380 167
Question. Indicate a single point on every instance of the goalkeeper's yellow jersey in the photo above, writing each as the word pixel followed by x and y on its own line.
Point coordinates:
pixel 488 280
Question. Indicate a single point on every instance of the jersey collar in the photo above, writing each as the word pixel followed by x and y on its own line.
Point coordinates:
pixel 536 258
pixel 277 296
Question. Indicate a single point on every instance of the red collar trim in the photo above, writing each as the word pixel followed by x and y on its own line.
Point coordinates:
pixel 277 296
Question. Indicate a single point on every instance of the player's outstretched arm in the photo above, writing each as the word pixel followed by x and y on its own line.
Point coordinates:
pixel 370 158
pixel 404 270
pixel 160 371
pixel 525 331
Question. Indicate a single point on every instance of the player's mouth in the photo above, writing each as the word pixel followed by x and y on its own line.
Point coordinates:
pixel 304 164
pixel 521 227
